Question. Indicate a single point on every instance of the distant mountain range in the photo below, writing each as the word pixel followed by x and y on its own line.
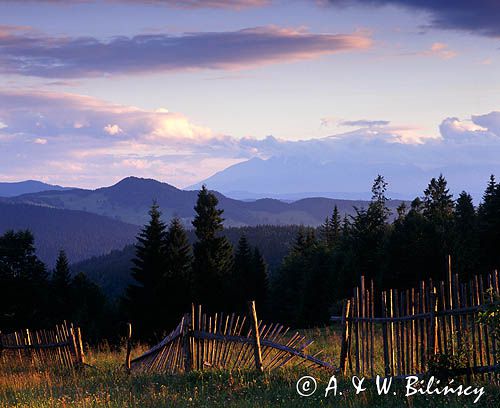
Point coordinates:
pixel 292 177
pixel 26 187
pixel 89 223
pixel 130 199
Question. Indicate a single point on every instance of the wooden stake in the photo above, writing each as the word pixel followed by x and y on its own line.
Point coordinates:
pixel 81 354
pixel 387 364
pixel 186 332
pixel 256 336
pixel 345 337
pixel 129 347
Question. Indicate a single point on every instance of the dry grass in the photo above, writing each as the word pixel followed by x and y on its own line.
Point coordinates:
pixel 107 385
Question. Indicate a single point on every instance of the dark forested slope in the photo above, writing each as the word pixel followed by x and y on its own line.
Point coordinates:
pixel 80 234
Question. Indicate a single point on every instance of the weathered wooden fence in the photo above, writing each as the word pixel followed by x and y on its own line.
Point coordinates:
pixel 39 349
pixel 203 341
pixel 416 326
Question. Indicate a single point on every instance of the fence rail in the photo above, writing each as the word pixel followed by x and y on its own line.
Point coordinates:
pixel 417 326
pixel 60 347
pixel 202 341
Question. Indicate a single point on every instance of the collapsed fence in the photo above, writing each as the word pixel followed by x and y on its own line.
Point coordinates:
pixel 59 347
pixel 226 341
pixel 418 327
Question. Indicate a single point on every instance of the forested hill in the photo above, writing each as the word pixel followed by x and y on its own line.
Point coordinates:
pixel 80 234
pixel 130 199
pixel 112 271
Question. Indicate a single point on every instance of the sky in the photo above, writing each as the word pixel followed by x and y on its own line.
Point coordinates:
pixel 91 92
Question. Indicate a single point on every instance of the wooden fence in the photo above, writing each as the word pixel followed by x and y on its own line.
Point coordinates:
pixel 417 326
pixel 228 341
pixel 39 349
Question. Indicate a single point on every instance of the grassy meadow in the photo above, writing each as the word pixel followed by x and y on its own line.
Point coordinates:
pixel 105 384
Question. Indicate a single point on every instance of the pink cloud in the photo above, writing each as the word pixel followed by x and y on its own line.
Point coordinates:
pixel 63 57
pixel 185 4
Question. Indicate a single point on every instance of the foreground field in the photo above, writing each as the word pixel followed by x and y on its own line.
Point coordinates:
pixel 106 385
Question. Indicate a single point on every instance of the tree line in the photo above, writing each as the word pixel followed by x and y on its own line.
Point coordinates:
pixel 323 264
pixel 33 297
pixel 169 274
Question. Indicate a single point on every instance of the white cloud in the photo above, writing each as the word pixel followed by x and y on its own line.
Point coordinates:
pixel 112 130
pixel 170 147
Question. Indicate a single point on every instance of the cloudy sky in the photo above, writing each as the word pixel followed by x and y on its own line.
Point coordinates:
pixel 91 92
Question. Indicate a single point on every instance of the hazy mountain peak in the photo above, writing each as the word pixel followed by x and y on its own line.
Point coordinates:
pixel 139 183
pixel 12 189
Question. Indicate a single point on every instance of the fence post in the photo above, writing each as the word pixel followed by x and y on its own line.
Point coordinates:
pixel 186 334
pixel 345 337
pixel 387 370
pixel 30 352
pixel 129 347
pixel 433 326
pixel 73 343
pixel 79 345
pixel 450 302
pixel 256 336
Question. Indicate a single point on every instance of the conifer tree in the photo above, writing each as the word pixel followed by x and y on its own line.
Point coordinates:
pixel 489 226
pixel 177 274
pixel 438 207
pixel 326 232
pixel 465 236
pixel 300 243
pixel 243 279
pixel 260 272
pixel 144 296
pixel 438 202
pixel 61 287
pixel 401 211
pixel 377 212
pixel 335 226
pixel 61 276
pixel 213 254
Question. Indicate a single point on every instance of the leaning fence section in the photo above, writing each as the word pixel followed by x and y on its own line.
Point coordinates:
pixel 227 341
pixel 40 349
pixel 418 326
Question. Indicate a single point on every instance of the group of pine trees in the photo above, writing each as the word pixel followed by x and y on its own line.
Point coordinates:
pixel 31 296
pixel 170 274
pixel 325 264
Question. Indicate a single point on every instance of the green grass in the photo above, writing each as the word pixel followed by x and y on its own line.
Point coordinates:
pixel 107 385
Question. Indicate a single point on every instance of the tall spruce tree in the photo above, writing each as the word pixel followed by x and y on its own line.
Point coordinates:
pixel 378 212
pixel 145 296
pixel 438 207
pixel 243 279
pixel 177 272
pixel 325 231
pixel 261 280
pixel 61 276
pixel 466 237
pixel 61 288
pixel 335 226
pixel 489 226
pixel 438 202
pixel 368 231
pixel 213 254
